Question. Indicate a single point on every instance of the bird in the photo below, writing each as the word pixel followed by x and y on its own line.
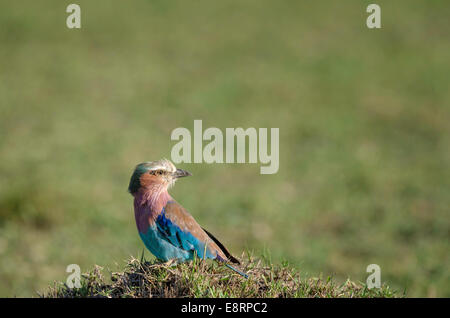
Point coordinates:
pixel 167 229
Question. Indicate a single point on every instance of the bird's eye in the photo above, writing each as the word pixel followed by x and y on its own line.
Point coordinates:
pixel 160 172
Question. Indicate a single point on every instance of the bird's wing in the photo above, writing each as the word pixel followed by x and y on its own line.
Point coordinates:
pixel 230 257
pixel 179 228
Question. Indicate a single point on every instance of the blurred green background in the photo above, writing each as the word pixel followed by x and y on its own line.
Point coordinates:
pixel 364 133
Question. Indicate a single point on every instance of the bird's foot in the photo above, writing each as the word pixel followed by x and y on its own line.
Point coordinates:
pixel 171 263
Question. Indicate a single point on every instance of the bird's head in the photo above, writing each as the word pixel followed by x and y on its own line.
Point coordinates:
pixel 155 175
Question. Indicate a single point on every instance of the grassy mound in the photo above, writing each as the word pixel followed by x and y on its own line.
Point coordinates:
pixel 141 278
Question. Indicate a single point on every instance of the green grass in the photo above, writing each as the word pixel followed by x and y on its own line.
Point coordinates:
pixel 141 278
pixel 364 133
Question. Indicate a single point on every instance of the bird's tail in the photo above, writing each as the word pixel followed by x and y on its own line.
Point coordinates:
pixel 236 270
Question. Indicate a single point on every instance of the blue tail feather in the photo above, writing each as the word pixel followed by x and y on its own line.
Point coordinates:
pixel 236 270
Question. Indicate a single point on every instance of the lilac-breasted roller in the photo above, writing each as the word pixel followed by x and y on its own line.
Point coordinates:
pixel 165 227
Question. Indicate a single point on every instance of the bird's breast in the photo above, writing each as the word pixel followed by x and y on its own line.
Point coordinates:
pixel 147 208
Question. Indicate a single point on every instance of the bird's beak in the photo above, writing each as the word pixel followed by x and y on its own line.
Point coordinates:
pixel 181 173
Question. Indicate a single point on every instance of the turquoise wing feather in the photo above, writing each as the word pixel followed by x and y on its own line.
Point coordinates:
pixel 178 228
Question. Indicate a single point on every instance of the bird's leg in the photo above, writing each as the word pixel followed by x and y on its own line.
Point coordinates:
pixel 171 262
